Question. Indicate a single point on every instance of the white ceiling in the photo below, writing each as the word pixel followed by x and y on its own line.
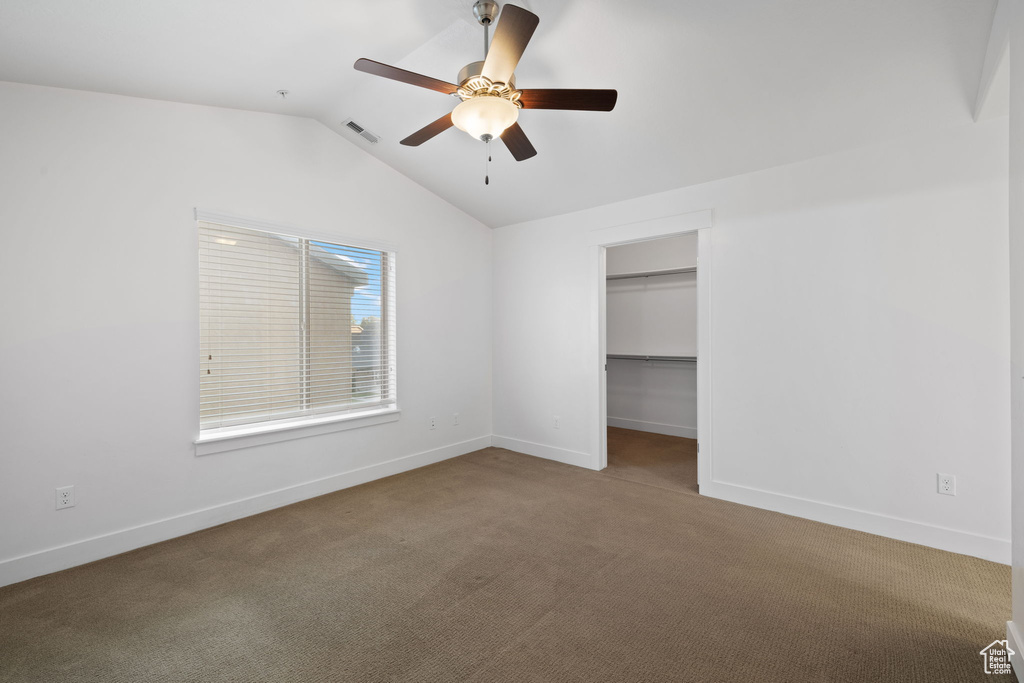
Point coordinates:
pixel 707 88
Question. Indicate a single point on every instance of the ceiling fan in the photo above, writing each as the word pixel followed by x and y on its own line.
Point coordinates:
pixel 490 102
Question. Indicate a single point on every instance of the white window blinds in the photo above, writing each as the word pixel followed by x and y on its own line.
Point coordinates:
pixel 291 327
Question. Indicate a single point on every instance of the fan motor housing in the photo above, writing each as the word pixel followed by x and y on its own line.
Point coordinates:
pixel 474 69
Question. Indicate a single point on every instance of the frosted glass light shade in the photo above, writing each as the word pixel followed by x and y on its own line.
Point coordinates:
pixel 485 115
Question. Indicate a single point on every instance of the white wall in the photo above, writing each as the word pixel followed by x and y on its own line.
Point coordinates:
pixel 1017 317
pixel 859 333
pixel 654 316
pixel 98 269
pixel 660 254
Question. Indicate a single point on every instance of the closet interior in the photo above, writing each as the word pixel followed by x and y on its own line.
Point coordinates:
pixel 652 369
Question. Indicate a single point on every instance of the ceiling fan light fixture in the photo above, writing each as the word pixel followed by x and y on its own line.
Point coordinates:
pixel 490 102
pixel 485 117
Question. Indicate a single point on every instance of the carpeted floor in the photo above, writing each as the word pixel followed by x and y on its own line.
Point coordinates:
pixel 499 567
pixel 653 459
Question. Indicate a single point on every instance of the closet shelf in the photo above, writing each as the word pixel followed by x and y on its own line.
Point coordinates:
pixel 652 273
pixel 671 359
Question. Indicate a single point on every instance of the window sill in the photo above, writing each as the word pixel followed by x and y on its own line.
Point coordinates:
pixel 233 438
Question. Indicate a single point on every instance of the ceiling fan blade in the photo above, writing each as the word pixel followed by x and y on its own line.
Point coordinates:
pixel 394 73
pixel 515 27
pixel 517 142
pixel 428 131
pixel 580 100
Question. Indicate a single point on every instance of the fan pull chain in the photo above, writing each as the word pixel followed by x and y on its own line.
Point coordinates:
pixel 487 164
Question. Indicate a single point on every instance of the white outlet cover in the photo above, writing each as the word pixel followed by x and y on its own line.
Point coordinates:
pixel 946 484
pixel 64 497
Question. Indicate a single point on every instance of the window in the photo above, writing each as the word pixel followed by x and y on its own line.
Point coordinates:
pixel 291 328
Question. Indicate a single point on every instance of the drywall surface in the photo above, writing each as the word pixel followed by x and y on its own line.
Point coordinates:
pixel 99 370
pixel 653 316
pixel 660 254
pixel 859 336
pixel 653 396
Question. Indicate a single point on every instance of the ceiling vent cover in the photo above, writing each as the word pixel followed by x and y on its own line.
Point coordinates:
pixel 363 133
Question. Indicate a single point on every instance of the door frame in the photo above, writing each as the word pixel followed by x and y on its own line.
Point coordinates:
pixel 699 222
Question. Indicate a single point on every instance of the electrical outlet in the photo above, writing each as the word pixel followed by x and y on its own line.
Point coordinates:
pixel 455 420
pixel 433 423
pixel 557 422
pixel 947 484
pixel 65 497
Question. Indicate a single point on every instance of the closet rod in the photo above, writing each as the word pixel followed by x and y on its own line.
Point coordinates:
pixel 673 359
pixel 651 273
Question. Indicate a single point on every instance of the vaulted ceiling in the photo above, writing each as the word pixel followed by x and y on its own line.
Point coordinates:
pixel 707 88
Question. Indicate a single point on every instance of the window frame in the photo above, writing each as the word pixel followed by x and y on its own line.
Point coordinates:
pixel 226 438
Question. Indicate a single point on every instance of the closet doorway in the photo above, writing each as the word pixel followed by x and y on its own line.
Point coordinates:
pixel 651 316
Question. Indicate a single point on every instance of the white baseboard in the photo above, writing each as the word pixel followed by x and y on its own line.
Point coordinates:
pixel 1014 642
pixel 653 427
pixel 541 451
pixel 91 549
pixel 985 547
pixel 96 548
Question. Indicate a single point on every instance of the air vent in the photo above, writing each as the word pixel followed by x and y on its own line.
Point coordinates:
pixel 363 133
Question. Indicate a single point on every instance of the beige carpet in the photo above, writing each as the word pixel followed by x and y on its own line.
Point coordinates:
pixel 653 459
pixel 502 567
